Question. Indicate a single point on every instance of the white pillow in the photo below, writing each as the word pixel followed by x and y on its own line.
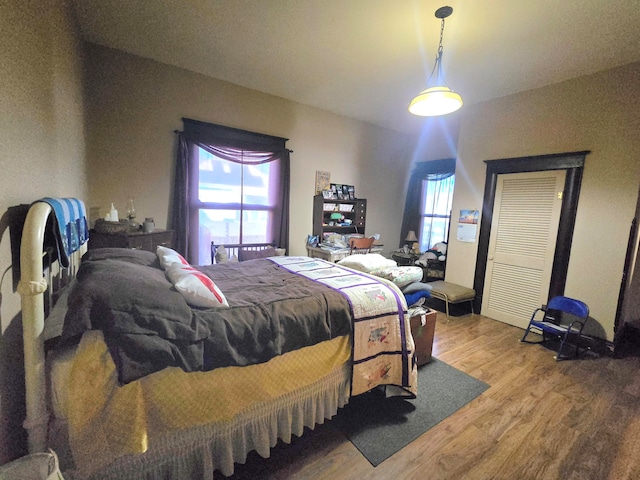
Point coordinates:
pixel 367 262
pixel 168 257
pixel 196 287
pixel 401 276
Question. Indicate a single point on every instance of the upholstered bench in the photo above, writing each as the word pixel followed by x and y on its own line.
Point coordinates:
pixel 452 293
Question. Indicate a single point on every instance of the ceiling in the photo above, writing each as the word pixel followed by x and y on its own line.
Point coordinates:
pixel 366 59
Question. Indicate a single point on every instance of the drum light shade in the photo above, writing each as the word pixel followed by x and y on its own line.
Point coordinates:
pixel 436 99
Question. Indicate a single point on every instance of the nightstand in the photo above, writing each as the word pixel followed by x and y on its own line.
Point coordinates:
pixel 404 259
pixel 136 240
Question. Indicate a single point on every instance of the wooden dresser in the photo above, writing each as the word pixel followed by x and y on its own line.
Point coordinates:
pixel 135 240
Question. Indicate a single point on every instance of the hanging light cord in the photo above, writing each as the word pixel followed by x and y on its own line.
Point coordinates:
pixel 437 66
pixel 436 99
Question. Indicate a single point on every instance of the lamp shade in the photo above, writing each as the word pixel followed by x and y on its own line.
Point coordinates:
pixel 411 236
pixel 435 101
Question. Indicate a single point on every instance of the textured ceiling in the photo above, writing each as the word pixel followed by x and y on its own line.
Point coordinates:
pixel 366 59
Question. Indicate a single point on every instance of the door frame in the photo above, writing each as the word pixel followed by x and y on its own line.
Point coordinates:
pixel 573 163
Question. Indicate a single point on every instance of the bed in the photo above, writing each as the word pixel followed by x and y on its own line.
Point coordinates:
pixel 184 403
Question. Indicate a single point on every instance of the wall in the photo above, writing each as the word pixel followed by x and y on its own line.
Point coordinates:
pixel 135 104
pixel 630 312
pixel 41 153
pixel 600 113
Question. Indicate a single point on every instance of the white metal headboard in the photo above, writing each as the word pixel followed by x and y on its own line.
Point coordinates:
pixel 32 288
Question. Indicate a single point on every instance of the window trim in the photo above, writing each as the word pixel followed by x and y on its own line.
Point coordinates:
pixel 412 216
pixel 231 142
pixel 424 216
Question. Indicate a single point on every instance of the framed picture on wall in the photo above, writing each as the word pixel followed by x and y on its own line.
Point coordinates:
pixel 322 181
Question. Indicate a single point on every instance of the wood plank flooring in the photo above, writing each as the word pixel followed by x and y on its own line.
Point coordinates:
pixel 540 419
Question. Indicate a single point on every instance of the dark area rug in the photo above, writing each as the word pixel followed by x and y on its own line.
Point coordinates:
pixel 379 426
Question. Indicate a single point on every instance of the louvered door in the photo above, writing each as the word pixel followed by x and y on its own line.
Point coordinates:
pixel 522 244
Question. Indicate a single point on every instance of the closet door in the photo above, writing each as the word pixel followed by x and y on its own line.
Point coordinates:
pixel 522 243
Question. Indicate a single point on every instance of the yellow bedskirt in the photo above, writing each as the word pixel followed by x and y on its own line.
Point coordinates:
pixel 107 421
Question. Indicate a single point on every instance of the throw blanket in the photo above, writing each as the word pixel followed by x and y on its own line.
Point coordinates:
pixel 382 343
pixel 72 230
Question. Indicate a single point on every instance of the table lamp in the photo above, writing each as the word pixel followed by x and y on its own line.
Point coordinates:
pixel 411 237
pixel 413 240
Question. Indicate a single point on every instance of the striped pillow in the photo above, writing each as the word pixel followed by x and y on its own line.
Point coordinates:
pixel 168 257
pixel 196 287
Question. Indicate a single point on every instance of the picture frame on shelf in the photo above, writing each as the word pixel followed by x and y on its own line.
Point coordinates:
pixel 342 191
pixel 328 195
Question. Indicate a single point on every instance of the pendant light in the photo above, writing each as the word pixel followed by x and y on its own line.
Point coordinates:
pixel 436 99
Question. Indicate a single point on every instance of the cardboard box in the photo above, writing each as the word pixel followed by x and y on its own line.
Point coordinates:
pixel 423 326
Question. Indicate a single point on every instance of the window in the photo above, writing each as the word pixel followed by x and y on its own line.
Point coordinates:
pixel 437 196
pixel 231 187
pixel 427 208
pixel 236 203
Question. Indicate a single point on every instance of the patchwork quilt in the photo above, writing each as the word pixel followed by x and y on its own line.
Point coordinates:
pixel 382 347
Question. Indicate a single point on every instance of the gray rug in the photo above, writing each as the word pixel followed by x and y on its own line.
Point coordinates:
pixel 379 427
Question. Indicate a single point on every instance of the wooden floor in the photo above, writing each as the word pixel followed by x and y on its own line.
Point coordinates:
pixel 540 419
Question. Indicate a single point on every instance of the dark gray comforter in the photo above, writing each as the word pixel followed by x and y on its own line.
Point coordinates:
pixel 148 325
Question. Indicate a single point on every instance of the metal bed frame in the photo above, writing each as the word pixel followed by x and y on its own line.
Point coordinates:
pixel 234 248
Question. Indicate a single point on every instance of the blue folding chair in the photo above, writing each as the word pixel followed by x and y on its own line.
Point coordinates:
pixel 564 318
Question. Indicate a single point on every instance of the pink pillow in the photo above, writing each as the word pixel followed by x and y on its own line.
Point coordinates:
pixel 168 257
pixel 196 287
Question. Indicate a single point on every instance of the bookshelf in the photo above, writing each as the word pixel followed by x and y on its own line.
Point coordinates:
pixel 342 217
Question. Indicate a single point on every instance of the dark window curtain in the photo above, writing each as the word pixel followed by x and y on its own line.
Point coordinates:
pixel 180 211
pixel 431 170
pixel 232 145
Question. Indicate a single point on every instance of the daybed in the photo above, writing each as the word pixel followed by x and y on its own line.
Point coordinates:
pixel 207 384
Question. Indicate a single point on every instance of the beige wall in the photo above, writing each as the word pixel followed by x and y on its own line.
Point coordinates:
pixel 41 153
pixel 600 113
pixel 135 104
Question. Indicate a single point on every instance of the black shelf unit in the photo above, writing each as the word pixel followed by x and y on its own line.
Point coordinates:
pixel 353 210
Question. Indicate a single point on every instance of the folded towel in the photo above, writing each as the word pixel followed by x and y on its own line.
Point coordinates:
pixel 417 298
pixel 72 230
